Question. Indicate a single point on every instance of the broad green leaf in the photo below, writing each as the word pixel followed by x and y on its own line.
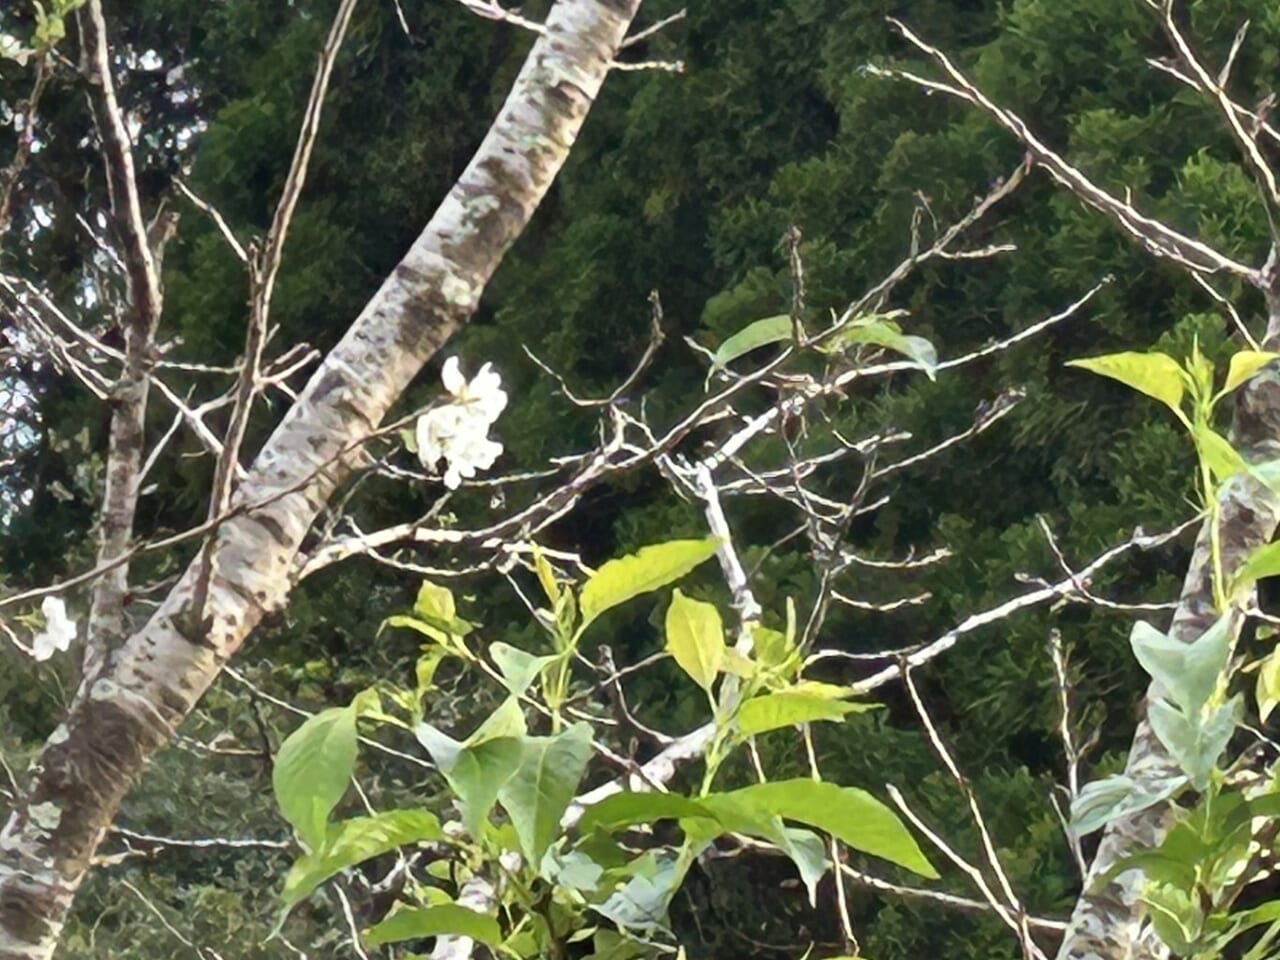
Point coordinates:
pixel 648 569
pixel 1155 374
pixel 506 721
pixel 1222 458
pixel 451 919
pixel 543 785
pixel 1188 672
pixel 622 810
pixel 1244 365
pixel 355 841
pixel 789 708
pixel 519 669
pixel 478 768
pixel 695 638
pixel 1194 743
pixel 850 815
pixel 1267 688
pixel 1117 796
pixel 884 333
pixel 478 774
pixel 1174 914
pixel 761 333
pixel 1263 562
pixel 312 771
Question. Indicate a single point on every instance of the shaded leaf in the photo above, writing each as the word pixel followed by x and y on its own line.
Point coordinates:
pixel 355 841
pixel 850 815
pixel 543 785
pixel 754 335
pixel 1188 672
pixel 626 809
pixel 1117 796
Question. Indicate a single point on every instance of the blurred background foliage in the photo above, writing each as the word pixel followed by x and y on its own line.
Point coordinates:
pixel 684 184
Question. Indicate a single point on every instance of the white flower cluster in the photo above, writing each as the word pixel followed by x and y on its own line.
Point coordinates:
pixel 458 432
pixel 59 630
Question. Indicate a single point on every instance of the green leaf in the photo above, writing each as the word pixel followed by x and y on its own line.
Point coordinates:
pixel 1155 374
pixel 1244 365
pixel 1187 672
pixel 622 810
pixel 807 851
pixel 695 638
pixel 1263 562
pixel 519 669
pixel 641 903
pixel 761 333
pixel 1267 688
pixel 648 569
pixel 885 333
pixel 789 708
pixel 850 815
pixel 312 771
pixel 355 841
pixel 1194 743
pixel 1117 796
pixel 1221 457
pixel 475 772
pixel 450 919
pixel 543 785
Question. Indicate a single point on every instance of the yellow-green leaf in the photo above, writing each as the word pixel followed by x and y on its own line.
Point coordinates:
pixel 1155 374
pixel 1244 365
pixel 647 569
pixel 1222 458
pixel 1267 689
pixel 695 638
pixel 1265 562
pixel 789 708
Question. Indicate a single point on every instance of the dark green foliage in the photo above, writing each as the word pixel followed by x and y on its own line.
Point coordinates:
pixel 687 185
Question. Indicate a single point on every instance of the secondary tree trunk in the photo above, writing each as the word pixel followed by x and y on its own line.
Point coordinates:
pixel 1107 923
pixel 91 760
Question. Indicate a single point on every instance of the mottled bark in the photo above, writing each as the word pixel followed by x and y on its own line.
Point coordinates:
pixel 90 761
pixel 139 316
pixel 1107 923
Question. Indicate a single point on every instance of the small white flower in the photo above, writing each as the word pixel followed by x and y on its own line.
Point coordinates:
pixel 458 432
pixel 59 629
pixel 483 396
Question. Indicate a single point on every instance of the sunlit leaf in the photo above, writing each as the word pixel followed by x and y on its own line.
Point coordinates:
pixel 648 569
pixel 695 638
pixel 1155 374
pixel 1244 365
pixel 788 708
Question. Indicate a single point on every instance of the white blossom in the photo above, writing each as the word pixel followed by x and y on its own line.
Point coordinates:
pixel 59 629
pixel 458 432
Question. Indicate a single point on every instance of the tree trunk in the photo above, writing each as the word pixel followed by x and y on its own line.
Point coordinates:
pixel 1107 923
pixel 91 760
